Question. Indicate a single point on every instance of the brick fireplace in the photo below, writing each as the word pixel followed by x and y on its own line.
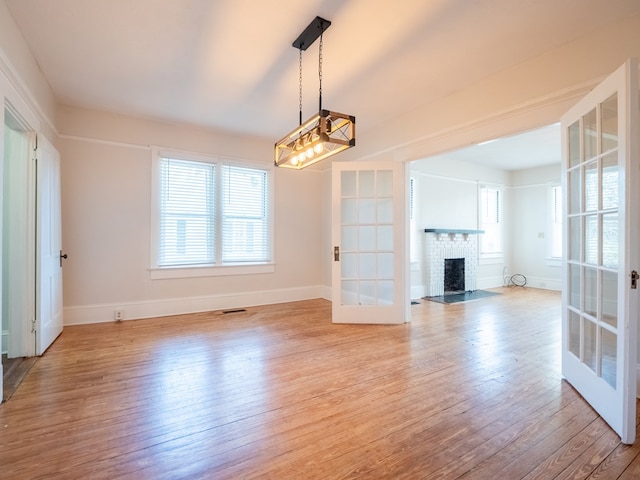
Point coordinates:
pixel 444 244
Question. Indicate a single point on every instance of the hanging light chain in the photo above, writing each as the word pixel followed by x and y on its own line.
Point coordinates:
pixel 300 88
pixel 320 74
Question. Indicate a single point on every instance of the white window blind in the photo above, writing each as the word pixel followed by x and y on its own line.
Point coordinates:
pixel 187 206
pixel 245 223
pixel 212 214
pixel 491 221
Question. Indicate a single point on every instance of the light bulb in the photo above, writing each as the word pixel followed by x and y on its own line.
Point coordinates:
pixel 294 160
pixel 319 147
pixel 309 152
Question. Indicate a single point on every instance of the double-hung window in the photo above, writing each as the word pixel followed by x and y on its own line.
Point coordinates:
pixel 491 221
pixel 212 216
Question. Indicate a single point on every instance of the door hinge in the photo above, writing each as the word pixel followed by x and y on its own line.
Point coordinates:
pixel 336 254
pixel 634 279
pixel 62 256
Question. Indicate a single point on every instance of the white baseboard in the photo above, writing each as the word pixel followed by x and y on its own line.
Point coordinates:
pixel 327 293
pixel 5 341
pixel 84 314
pixel 418 291
pixel 490 282
pixel 544 283
pixel 533 282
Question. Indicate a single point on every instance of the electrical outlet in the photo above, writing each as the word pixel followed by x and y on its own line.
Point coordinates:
pixel 118 315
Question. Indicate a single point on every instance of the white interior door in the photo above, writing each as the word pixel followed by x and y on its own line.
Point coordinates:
pixel 49 247
pixel 600 301
pixel 369 241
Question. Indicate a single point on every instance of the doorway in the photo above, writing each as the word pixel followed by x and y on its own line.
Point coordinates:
pixel 18 247
pixel 447 195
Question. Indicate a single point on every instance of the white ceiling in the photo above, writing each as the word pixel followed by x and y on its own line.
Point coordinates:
pixel 229 64
pixel 530 149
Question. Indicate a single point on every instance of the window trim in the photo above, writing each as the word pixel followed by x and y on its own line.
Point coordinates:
pixel 489 258
pixel 157 272
pixel 551 260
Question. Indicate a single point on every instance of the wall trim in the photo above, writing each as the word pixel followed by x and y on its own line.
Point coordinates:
pixel 490 282
pixel 5 341
pixel 99 141
pixel 418 291
pixel 551 99
pixel 10 73
pixel 420 173
pixel 86 314
pixel 544 283
pixel 327 292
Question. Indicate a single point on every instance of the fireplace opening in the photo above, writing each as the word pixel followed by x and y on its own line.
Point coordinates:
pixel 453 276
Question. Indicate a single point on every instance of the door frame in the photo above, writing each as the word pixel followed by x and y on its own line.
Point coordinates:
pixel 12 100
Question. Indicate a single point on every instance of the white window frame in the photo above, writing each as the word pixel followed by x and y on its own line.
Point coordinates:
pixel 554 227
pixel 485 258
pixel 413 235
pixel 219 269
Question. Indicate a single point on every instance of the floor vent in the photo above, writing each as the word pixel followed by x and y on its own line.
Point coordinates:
pixel 237 310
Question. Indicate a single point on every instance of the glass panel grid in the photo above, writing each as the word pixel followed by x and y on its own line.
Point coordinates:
pixel 592 204
pixel 367 259
pixel 609 356
pixel 609 123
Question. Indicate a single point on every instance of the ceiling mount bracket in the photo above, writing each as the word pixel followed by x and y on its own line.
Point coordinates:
pixel 311 33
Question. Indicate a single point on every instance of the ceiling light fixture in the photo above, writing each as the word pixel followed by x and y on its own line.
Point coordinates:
pixel 326 133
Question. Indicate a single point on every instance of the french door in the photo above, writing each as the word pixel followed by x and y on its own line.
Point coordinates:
pixel 600 285
pixel 49 247
pixel 368 233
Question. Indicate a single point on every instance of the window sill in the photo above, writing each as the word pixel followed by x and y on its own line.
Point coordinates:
pixel 208 271
pixel 554 262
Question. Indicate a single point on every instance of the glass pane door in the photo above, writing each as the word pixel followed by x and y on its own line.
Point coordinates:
pixel 599 309
pixel 593 204
pixel 368 281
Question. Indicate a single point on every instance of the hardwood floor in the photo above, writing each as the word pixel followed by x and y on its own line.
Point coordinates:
pixel 13 371
pixel 469 390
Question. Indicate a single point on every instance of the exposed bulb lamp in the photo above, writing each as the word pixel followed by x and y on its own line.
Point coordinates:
pixel 324 134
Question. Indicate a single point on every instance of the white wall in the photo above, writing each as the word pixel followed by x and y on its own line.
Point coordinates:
pixel 106 205
pixel 529 226
pixel 446 196
pixel 22 77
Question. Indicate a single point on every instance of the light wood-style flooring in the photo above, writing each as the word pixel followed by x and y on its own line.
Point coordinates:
pixel 469 390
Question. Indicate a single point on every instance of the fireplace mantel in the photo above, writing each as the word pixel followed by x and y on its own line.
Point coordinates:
pixel 453 230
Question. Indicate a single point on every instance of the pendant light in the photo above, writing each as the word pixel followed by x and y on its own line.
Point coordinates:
pixel 324 134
